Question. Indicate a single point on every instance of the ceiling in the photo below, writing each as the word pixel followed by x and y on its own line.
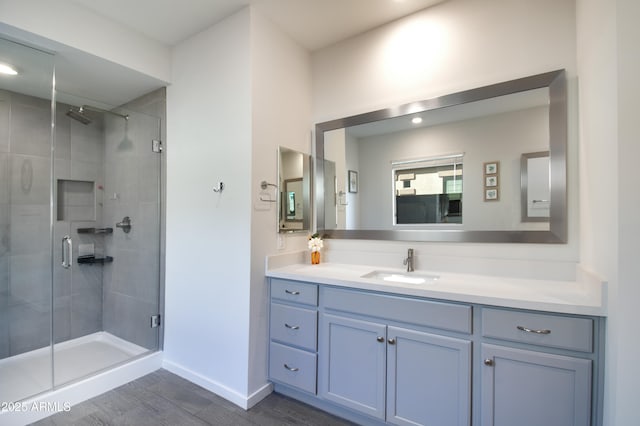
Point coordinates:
pixel 84 79
pixel 314 24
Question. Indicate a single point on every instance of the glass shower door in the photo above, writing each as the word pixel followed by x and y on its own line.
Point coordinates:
pixel 79 232
pixel 108 203
pixel 25 222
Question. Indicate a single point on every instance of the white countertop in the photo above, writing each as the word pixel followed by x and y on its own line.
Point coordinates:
pixel 586 296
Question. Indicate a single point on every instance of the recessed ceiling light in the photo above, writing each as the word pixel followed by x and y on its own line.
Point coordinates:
pixel 416 120
pixel 7 69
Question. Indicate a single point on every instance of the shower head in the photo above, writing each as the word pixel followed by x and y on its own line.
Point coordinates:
pixel 79 115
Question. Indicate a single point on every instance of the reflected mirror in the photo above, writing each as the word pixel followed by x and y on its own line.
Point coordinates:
pixel 409 163
pixel 294 183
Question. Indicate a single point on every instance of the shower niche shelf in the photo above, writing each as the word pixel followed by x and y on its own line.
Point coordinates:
pixel 95 230
pixel 92 260
pixel 75 200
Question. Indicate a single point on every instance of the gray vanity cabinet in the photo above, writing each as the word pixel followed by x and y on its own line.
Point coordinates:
pixel 529 385
pixel 293 339
pixel 379 358
pixel 529 388
pixel 373 361
pixel 353 359
pixel 428 378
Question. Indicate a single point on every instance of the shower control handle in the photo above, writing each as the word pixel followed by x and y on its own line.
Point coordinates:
pixel 125 225
pixel 67 250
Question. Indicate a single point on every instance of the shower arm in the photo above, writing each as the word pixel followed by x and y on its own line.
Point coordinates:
pixel 96 109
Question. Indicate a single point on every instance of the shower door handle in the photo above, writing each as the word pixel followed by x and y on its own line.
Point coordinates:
pixel 67 250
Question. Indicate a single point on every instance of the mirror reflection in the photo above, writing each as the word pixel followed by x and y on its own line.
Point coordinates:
pixel 534 168
pixel 409 163
pixel 294 183
pixel 428 190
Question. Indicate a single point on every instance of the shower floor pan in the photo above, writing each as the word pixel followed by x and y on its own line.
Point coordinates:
pixel 28 374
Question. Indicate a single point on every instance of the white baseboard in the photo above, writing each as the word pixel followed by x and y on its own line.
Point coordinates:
pixel 243 401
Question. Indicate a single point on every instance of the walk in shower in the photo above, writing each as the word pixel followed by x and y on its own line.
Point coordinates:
pixel 80 232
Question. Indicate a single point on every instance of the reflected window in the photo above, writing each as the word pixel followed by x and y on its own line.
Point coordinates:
pixel 428 191
pixel 291 213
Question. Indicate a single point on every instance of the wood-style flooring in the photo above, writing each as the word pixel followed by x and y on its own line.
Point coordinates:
pixel 162 398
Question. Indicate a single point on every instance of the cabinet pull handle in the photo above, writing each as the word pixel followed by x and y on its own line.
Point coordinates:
pixel 488 362
pixel 392 341
pixel 292 327
pixel 291 368
pixel 294 293
pixel 530 330
pixel 380 339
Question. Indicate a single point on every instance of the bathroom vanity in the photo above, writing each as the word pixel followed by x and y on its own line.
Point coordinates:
pixel 453 350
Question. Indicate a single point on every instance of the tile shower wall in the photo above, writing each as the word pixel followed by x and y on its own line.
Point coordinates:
pixel 79 155
pixel 24 223
pixel 131 290
pixel 25 266
pixel 119 297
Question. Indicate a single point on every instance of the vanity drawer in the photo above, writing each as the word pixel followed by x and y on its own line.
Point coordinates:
pixel 293 367
pixel 294 291
pixel 554 331
pixel 294 326
pixel 427 313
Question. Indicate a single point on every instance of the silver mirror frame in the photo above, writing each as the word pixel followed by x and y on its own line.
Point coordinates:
pixel 558 226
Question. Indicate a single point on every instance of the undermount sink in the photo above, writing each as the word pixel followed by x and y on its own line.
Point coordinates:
pixel 401 277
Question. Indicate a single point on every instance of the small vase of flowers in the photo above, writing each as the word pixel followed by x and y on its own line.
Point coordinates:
pixel 315 245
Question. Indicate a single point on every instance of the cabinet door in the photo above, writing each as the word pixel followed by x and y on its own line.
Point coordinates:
pixel 352 359
pixel 428 379
pixel 528 388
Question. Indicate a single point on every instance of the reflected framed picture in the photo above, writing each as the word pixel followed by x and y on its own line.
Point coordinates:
pixel 491 168
pixel 491 194
pixel 491 181
pixel 353 181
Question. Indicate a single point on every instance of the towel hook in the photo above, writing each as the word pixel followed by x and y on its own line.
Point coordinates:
pixel 219 187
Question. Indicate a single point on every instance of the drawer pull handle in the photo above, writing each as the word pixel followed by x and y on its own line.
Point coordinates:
pixel 529 330
pixel 292 327
pixel 293 293
pixel 380 339
pixel 488 362
pixel 291 368
pixel 392 341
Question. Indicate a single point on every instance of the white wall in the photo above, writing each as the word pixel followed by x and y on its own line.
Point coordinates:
pixel 454 46
pixel 281 112
pixel 597 58
pixel 208 265
pixel 628 344
pixel 80 28
pixel 609 89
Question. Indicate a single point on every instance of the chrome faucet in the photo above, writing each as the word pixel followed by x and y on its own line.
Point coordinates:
pixel 409 260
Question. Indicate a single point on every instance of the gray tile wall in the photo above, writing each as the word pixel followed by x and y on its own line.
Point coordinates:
pixel 25 271
pixel 131 282
pixel 25 249
pixel 119 297
pixel 79 172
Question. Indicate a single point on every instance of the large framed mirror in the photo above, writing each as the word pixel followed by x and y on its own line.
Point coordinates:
pixel 294 185
pixel 447 168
